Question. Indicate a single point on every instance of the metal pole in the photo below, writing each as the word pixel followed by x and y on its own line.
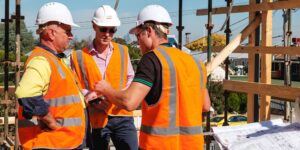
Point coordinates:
pixel 6 71
pixel 180 27
pixel 116 4
pixel 287 39
pixel 18 18
pixel 18 40
pixel 256 71
pixel 209 27
pixel 287 59
pixel 227 62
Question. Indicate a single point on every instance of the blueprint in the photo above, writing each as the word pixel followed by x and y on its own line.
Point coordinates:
pixel 273 135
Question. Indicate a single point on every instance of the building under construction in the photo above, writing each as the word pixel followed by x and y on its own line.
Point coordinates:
pixel 259 88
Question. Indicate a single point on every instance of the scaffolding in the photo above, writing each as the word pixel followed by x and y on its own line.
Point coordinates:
pixel 11 140
pixel 259 55
pixel 259 49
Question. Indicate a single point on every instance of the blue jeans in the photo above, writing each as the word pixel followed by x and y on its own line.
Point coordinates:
pixel 122 132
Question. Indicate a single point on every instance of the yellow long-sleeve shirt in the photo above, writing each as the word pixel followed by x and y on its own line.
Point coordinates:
pixel 36 79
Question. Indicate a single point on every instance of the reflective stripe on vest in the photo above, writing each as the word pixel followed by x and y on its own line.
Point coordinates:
pixel 73 99
pixel 80 60
pixel 172 129
pixel 201 73
pixel 121 49
pixel 60 70
pixel 82 70
pixel 64 122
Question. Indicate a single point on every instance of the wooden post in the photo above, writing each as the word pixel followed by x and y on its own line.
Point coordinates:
pixel 251 62
pixel 266 62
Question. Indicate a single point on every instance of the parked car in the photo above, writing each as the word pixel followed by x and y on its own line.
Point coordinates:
pixel 233 119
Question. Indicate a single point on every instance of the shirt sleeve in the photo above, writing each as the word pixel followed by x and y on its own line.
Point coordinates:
pixel 145 73
pixel 33 85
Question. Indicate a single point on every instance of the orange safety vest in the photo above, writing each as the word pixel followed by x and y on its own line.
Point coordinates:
pixel 116 74
pixel 65 106
pixel 175 121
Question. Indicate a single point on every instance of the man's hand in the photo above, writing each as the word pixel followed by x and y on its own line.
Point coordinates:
pixel 90 96
pixel 102 86
pixel 49 122
pixel 102 105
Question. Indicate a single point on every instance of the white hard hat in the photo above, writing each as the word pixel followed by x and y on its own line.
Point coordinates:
pixel 106 16
pixel 54 11
pixel 154 13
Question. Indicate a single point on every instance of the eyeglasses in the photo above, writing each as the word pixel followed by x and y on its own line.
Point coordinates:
pixel 110 30
pixel 68 32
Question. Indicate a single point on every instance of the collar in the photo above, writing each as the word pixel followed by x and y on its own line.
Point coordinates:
pixel 58 55
pixel 93 49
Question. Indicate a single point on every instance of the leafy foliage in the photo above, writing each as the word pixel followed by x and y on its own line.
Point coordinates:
pixel 76 44
pixel 243 104
pixel 237 102
pixel 199 44
pixel 27 40
pixel 216 96
pixel 234 102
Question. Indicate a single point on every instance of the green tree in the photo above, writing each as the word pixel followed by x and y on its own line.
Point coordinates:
pixel 27 40
pixel 199 44
pixel 216 96
pixel 76 44
pixel 120 41
pixel 243 104
pixel 234 102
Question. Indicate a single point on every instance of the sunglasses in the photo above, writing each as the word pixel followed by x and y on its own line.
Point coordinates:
pixel 110 30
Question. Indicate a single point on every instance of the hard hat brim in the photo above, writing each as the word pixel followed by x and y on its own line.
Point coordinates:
pixel 74 25
pixel 133 30
pixel 106 24
pixel 70 24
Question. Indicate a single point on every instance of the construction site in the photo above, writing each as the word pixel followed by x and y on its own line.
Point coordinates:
pixel 269 75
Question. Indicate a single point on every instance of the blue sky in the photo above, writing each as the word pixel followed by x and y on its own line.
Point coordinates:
pixel 82 11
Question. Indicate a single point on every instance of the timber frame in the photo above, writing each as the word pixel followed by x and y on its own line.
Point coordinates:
pixel 260 15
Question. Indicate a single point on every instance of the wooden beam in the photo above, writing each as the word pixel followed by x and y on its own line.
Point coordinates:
pixel 11 120
pixel 5 102
pixel 261 50
pixel 233 45
pixel 253 7
pixel 11 89
pixel 269 50
pixel 251 69
pixel 266 62
pixel 284 92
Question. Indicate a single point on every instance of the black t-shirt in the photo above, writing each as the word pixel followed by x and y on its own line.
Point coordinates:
pixel 149 72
